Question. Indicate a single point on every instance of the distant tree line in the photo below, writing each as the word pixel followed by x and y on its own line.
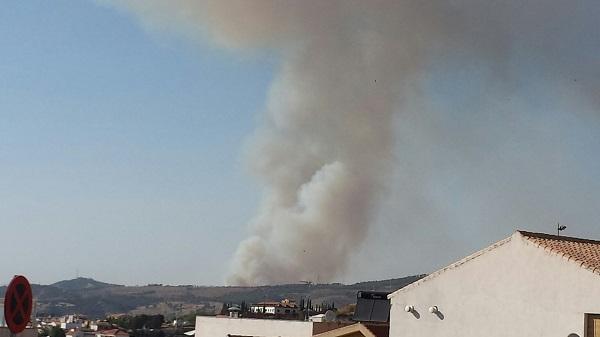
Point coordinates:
pixel 306 305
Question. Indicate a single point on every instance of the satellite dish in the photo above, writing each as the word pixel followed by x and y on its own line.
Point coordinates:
pixel 330 316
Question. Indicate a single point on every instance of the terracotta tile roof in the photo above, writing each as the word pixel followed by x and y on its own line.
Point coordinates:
pixel 112 332
pixel 583 251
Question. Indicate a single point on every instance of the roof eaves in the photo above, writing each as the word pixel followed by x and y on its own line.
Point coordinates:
pixel 451 266
pixel 347 330
pixel 556 237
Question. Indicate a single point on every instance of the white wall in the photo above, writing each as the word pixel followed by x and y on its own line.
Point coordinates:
pixel 71 325
pixel 263 309
pixel 220 327
pixel 516 289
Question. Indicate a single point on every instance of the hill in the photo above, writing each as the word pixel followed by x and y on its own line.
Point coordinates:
pixel 98 299
pixel 81 283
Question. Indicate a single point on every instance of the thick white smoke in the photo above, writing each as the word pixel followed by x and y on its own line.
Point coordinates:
pixel 349 69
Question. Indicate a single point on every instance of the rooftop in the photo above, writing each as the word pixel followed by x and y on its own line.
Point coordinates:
pixel 584 251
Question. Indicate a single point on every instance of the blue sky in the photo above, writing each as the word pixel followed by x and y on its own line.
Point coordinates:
pixel 121 150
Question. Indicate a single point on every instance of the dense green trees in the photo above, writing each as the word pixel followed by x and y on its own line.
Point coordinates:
pixel 56 332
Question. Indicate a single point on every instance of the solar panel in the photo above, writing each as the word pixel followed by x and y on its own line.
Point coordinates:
pixel 372 306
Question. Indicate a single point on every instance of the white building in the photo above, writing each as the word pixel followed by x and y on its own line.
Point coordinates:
pixel 72 322
pixel 99 325
pixel 283 308
pixel 224 327
pixel 71 325
pixel 317 318
pixel 529 284
pixel 247 327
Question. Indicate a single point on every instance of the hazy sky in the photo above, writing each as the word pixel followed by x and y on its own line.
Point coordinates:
pixel 122 150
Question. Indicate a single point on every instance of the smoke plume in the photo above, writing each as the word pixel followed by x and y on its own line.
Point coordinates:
pixel 353 76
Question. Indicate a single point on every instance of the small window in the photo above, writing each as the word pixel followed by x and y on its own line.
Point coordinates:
pixel 593 325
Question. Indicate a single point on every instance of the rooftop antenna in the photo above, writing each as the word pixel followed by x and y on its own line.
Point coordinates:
pixel 560 228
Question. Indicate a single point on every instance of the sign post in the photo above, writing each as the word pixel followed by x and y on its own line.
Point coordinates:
pixel 18 303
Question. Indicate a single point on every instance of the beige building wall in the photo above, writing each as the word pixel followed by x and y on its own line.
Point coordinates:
pixel 221 327
pixel 516 289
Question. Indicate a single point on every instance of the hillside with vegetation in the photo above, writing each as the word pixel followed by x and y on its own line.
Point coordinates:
pixel 98 299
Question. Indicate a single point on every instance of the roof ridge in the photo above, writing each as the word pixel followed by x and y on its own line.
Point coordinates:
pixel 557 237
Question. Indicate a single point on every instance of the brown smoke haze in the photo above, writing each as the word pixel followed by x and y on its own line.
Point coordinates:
pixel 350 117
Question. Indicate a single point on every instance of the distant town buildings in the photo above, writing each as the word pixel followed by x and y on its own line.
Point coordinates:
pixel 75 333
pixel 73 322
pixel 281 308
pixel 78 326
pixel 273 320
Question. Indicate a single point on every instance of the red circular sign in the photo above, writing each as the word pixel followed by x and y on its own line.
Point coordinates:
pixel 18 302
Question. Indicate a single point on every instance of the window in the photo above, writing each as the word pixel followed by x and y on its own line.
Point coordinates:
pixel 593 325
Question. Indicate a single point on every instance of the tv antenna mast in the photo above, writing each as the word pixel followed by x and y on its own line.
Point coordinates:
pixel 560 228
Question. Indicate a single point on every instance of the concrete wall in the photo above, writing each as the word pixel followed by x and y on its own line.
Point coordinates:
pixel 221 327
pixel 516 289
